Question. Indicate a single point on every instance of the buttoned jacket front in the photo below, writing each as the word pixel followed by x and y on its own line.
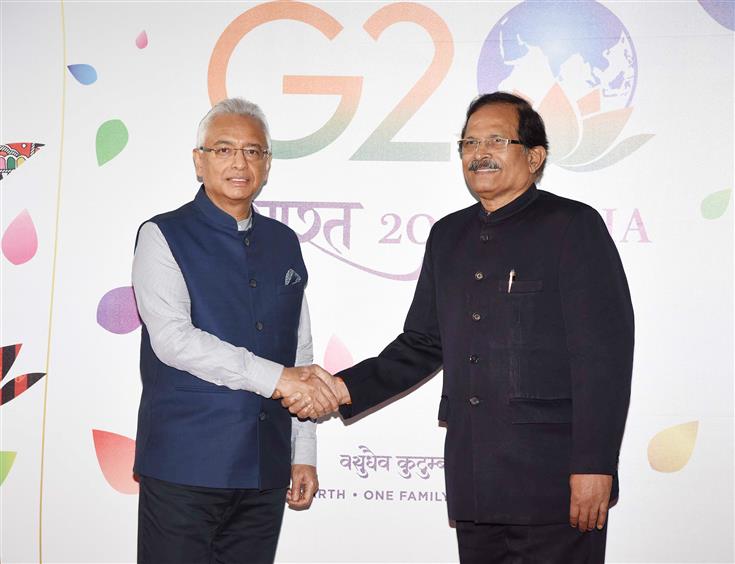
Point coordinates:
pixel 528 310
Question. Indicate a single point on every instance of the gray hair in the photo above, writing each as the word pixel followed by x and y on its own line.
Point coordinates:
pixel 232 106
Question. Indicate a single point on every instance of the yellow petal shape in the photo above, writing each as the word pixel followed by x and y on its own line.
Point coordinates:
pixel 598 133
pixel 670 449
pixel 561 123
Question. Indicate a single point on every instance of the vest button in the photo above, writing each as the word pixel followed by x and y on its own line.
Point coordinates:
pixel 474 401
pixel 259 325
pixel 484 237
pixel 262 416
pixel 474 359
pixel 479 276
pixel 253 282
pixel 476 316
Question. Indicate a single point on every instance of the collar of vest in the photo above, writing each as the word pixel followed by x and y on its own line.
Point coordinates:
pixel 216 215
pixel 511 208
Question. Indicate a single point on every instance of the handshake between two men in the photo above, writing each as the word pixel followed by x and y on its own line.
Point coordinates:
pixel 310 391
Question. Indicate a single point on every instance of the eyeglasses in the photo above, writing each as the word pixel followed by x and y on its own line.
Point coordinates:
pixel 472 145
pixel 252 153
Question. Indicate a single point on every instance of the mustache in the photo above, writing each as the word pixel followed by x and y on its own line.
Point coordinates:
pixel 484 163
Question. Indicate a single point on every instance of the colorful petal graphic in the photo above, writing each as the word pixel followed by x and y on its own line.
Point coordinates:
pixel 561 122
pixel 7 458
pixel 13 155
pixel 115 454
pixel 8 354
pixel 18 385
pixel 85 74
pixel 598 133
pixel 141 42
pixel 117 311
pixel 20 242
pixel 723 12
pixel 337 357
pixel 714 205
pixel 112 136
pixel 670 449
pixel 619 152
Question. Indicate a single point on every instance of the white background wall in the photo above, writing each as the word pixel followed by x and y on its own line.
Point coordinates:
pixel 676 465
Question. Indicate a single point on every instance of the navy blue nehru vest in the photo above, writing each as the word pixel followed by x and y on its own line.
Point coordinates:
pixel 196 433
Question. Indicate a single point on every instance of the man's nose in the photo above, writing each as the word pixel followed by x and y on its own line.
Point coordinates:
pixel 484 148
pixel 239 160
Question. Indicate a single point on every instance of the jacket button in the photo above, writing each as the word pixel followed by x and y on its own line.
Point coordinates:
pixel 484 237
pixel 247 241
pixel 479 276
pixel 476 316
pixel 259 325
pixel 474 401
pixel 474 359
pixel 262 416
pixel 253 282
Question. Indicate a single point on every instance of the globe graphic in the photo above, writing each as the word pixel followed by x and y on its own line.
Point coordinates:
pixel 581 46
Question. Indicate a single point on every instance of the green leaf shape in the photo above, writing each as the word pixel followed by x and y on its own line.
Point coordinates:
pixel 112 136
pixel 714 205
pixel 7 458
pixel 618 153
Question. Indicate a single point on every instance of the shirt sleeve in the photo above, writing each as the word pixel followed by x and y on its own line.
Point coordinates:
pixel 165 308
pixel 303 433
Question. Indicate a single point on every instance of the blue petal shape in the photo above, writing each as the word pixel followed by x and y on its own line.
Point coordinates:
pixel 85 74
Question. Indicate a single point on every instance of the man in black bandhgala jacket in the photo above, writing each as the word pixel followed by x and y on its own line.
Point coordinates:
pixel 523 300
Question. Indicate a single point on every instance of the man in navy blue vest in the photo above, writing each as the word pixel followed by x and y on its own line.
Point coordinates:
pixel 523 300
pixel 220 290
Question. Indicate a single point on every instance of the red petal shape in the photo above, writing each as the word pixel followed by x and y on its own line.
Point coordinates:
pixel 115 453
pixel 19 385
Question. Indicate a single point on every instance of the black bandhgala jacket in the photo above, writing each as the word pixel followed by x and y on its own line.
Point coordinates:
pixel 528 310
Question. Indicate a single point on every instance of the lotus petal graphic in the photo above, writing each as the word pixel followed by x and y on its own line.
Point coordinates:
pixel 581 136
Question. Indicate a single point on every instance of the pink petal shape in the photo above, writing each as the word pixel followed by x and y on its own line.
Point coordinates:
pixel 115 454
pixel 561 123
pixel 598 133
pixel 337 357
pixel 589 103
pixel 117 311
pixel 20 242
pixel 141 42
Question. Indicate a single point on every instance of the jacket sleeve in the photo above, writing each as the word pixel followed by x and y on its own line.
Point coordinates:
pixel 412 356
pixel 598 318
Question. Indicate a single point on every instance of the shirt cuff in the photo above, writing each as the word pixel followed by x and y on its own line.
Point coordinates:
pixel 262 376
pixel 303 442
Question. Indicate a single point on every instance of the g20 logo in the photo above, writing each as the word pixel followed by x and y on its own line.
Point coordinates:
pixel 379 145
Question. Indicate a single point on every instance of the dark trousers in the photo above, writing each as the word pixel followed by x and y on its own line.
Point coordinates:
pixel 193 525
pixel 529 544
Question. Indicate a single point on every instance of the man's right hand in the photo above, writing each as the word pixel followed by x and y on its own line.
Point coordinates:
pixel 301 384
pixel 297 403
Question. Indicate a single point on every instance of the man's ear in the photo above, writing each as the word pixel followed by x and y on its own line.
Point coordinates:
pixel 196 155
pixel 267 168
pixel 536 158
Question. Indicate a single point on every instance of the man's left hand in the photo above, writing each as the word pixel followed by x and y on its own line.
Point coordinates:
pixel 304 485
pixel 589 500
